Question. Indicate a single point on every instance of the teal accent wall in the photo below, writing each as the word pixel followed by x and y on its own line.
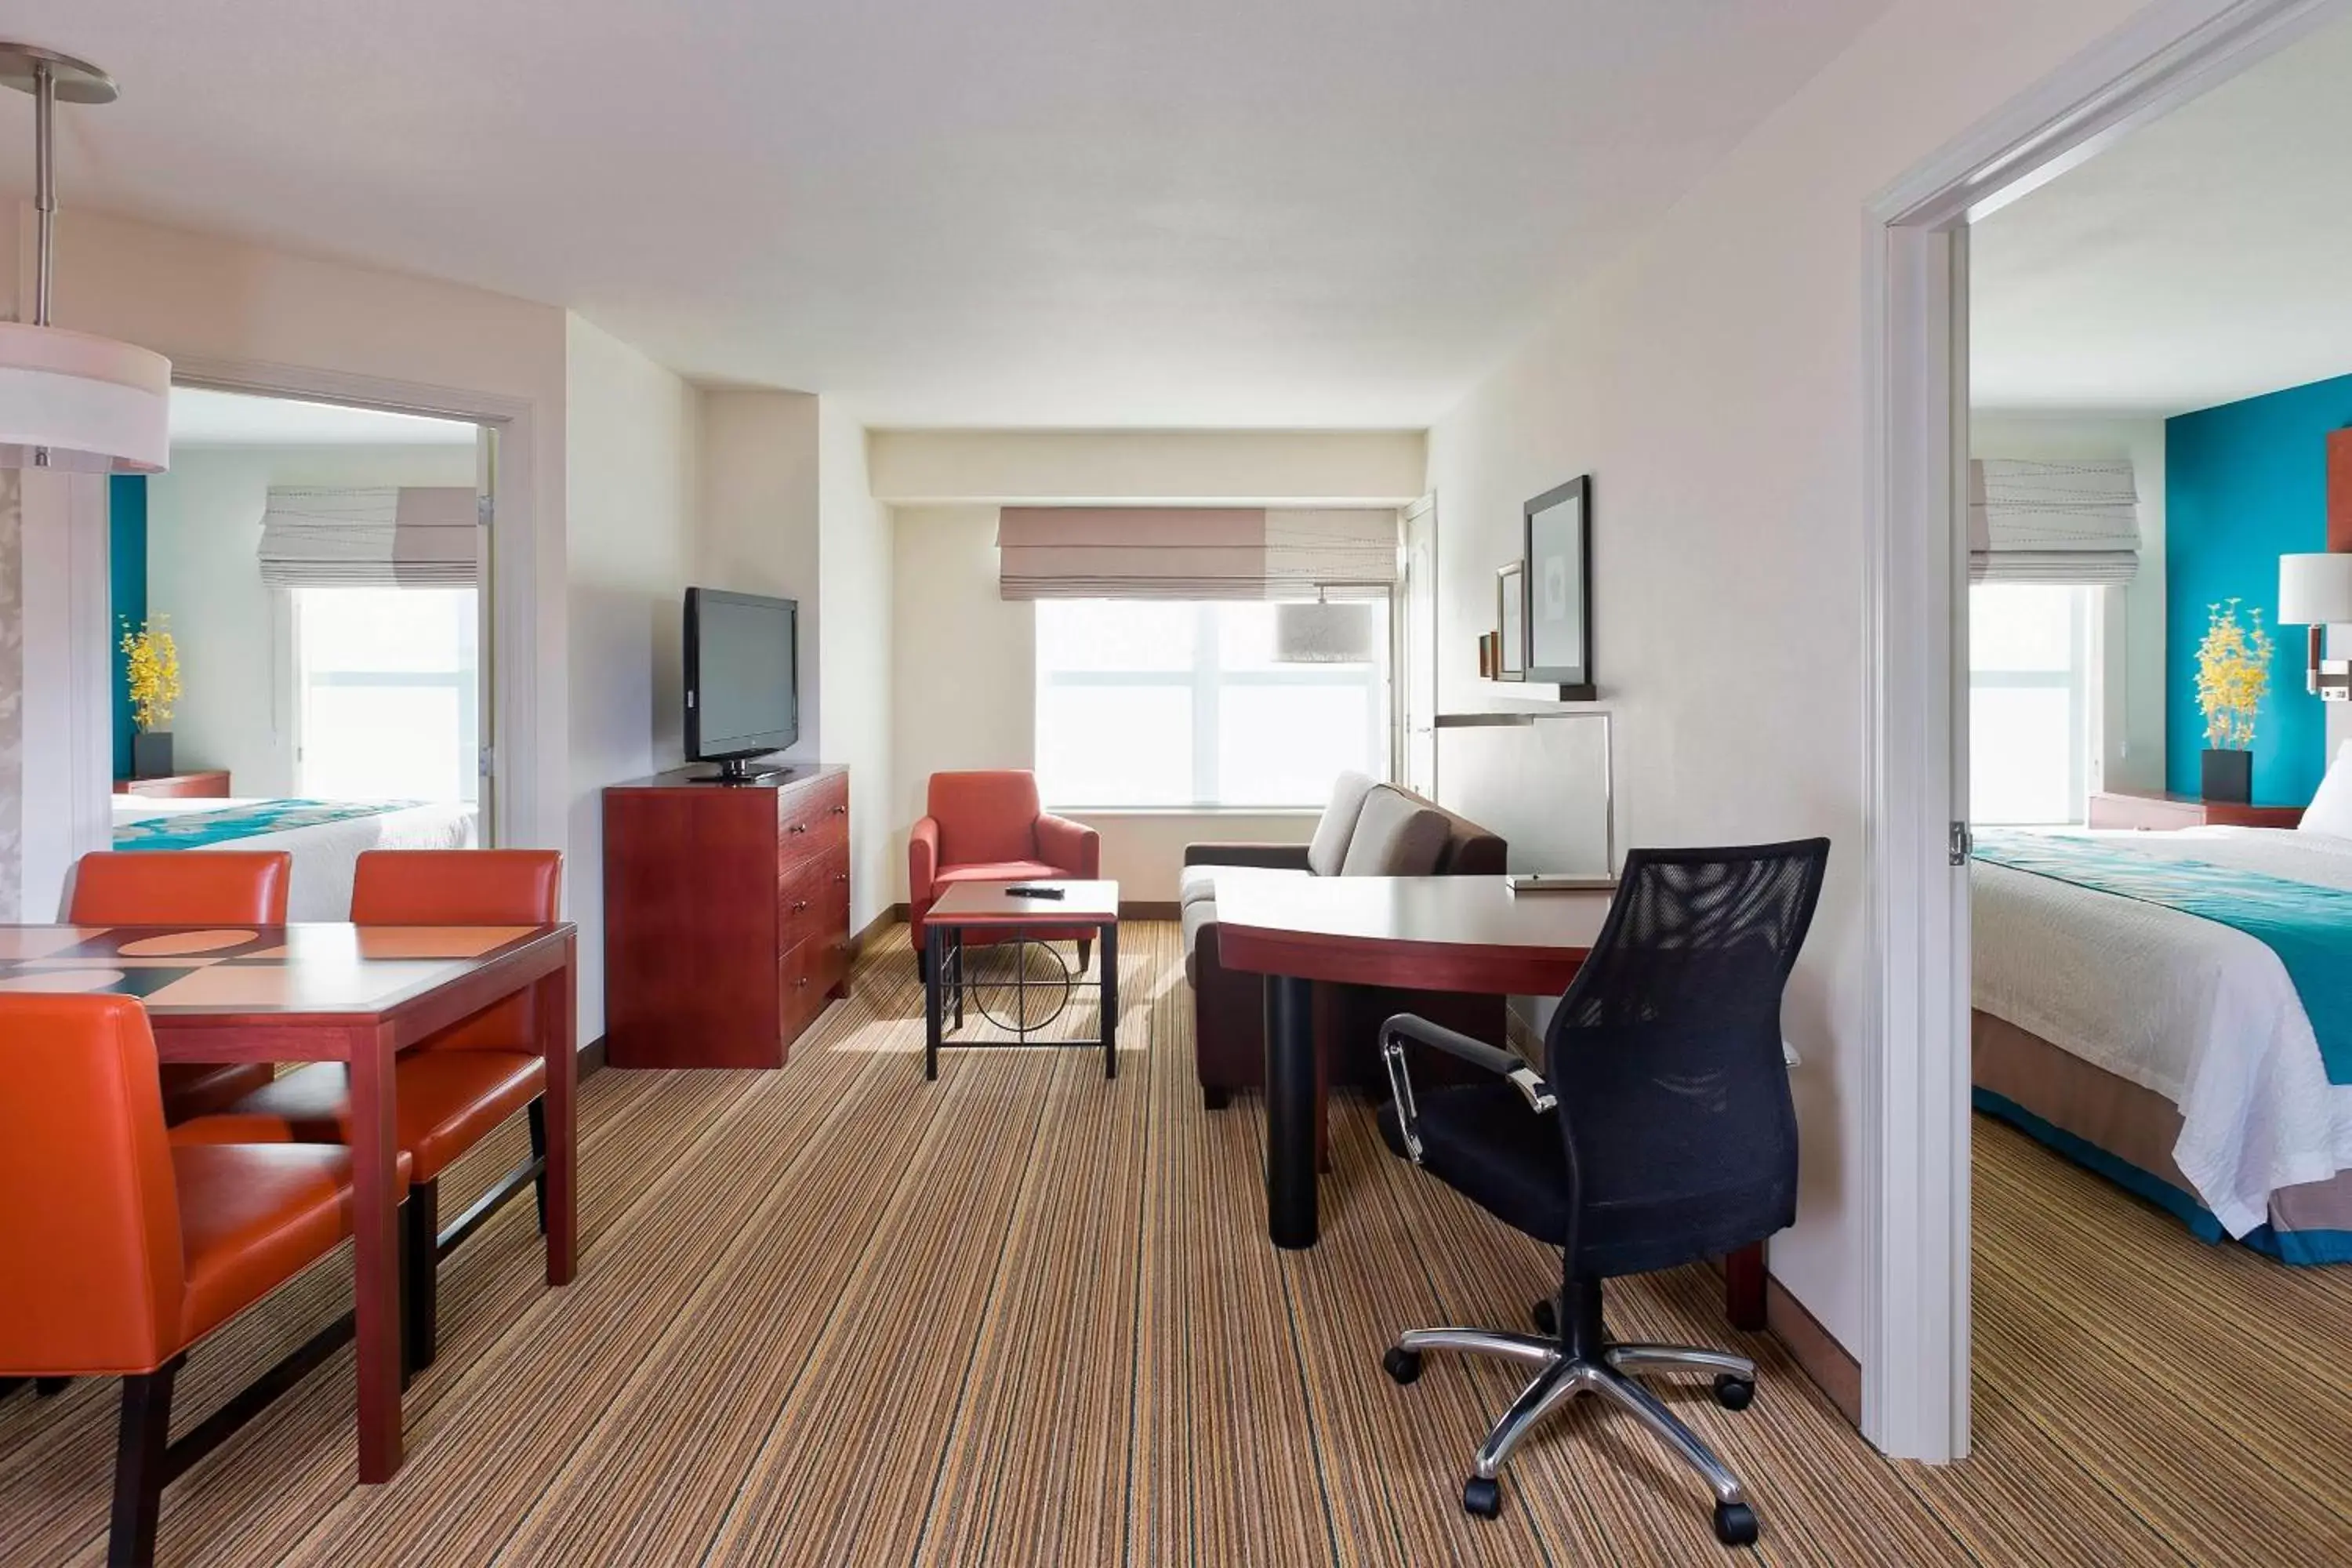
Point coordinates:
pixel 2244 484
pixel 126 559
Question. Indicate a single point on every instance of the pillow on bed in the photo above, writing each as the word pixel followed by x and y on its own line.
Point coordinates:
pixel 2330 811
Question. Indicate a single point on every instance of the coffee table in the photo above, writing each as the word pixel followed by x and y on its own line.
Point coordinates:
pixel 992 913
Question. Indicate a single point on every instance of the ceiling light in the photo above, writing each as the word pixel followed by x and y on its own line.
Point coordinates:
pixel 69 400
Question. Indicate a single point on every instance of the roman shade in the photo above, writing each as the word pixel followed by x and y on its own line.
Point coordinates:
pixel 2074 522
pixel 1195 552
pixel 411 536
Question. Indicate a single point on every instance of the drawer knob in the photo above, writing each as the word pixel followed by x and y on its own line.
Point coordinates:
pixel 841 811
pixel 799 904
pixel 841 876
pixel 797 827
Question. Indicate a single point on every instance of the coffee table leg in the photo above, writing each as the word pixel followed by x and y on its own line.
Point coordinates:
pixel 936 953
pixel 1290 1112
pixel 1110 1000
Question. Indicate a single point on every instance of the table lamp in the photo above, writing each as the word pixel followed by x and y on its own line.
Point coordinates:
pixel 2316 590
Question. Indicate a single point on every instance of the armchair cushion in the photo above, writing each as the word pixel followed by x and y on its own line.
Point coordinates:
pixel 985 816
pixel 995 871
pixel 1329 851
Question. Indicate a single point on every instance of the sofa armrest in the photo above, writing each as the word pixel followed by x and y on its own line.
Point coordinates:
pixel 922 858
pixel 1071 847
pixel 1281 857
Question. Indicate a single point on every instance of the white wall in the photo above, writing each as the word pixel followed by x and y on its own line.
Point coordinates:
pixel 204 530
pixel 1381 467
pixel 964 695
pixel 631 453
pixel 758 531
pixel 854 570
pixel 1711 380
pixel 2129 748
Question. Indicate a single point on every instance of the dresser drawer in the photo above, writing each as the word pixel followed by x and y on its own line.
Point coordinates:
pixel 813 897
pixel 813 820
pixel 806 979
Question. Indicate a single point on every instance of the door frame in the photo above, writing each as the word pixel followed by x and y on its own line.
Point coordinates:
pixel 1916 1237
pixel 510 810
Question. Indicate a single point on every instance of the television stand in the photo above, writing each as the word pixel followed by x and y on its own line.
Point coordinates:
pixel 744 771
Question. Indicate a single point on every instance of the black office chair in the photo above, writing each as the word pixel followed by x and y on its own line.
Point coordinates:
pixel 1661 1132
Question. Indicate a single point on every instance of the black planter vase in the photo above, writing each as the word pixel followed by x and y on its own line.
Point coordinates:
pixel 151 754
pixel 2228 775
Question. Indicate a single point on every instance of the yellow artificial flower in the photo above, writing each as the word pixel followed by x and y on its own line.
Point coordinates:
pixel 154 671
pixel 2234 674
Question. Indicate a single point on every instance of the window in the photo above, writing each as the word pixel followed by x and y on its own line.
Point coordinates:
pixel 387 694
pixel 1159 703
pixel 2029 703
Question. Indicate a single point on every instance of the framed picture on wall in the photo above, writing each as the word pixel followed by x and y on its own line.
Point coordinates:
pixel 1558 591
pixel 1511 617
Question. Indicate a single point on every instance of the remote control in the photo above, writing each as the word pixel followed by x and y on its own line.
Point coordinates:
pixel 1036 892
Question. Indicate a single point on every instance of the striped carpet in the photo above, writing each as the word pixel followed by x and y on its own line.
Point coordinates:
pixel 834 1315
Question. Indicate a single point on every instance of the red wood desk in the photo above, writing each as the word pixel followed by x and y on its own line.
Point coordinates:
pixel 1422 933
pixel 357 994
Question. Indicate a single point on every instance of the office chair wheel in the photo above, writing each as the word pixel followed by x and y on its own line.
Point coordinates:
pixel 1481 1497
pixel 1401 1364
pixel 1735 1524
pixel 1733 1392
pixel 1546 1316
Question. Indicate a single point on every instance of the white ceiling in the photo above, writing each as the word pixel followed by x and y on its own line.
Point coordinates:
pixel 2203 258
pixel 1333 213
pixel 205 418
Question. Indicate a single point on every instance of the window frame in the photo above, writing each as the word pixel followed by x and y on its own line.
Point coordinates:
pixel 1206 680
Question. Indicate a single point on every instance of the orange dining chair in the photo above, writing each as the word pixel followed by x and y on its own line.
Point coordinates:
pixel 119 1249
pixel 450 1091
pixel 186 886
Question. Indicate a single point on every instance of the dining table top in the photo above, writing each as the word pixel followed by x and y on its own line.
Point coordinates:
pixel 194 971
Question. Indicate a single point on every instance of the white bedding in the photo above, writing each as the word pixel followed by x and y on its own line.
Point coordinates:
pixel 325 853
pixel 2197 1012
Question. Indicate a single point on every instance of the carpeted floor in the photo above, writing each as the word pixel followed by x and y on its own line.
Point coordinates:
pixel 835 1315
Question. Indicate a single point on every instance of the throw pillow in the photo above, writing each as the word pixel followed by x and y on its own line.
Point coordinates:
pixel 1329 852
pixel 1396 836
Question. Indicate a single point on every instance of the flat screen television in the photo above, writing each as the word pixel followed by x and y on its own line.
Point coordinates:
pixel 742 681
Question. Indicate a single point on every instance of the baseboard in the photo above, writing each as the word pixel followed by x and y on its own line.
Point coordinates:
pixel 1831 1366
pixel 591 1057
pixel 892 914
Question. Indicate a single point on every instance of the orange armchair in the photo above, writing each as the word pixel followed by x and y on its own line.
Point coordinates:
pixel 452 1090
pixel 990 827
pixel 185 888
pixel 119 1250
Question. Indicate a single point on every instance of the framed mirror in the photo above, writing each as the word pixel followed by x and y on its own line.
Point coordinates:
pixel 1558 588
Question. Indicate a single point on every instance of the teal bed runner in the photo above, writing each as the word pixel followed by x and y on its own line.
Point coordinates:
pixel 196 829
pixel 2310 928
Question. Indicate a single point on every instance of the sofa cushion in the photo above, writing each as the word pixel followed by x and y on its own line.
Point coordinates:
pixel 1329 852
pixel 1396 836
pixel 1201 882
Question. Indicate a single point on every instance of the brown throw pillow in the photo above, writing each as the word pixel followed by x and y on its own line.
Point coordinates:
pixel 1396 836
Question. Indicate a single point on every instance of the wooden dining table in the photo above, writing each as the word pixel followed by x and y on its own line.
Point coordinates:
pixel 337 993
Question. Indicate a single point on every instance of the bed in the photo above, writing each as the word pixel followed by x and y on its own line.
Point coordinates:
pixel 324 838
pixel 2174 1051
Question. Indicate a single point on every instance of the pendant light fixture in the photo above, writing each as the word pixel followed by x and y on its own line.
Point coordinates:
pixel 69 400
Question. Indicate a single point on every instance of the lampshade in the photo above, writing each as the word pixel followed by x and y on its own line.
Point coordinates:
pixel 69 400
pixel 95 404
pixel 2315 590
pixel 1325 634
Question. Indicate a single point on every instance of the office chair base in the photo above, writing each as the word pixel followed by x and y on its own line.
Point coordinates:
pixel 1561 1376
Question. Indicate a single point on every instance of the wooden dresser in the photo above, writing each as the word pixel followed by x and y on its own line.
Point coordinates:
pixel 210 784
pixel 2156 812
pixel 726 917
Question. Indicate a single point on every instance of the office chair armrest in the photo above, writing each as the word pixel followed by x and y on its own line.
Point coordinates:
pixel 1477 1052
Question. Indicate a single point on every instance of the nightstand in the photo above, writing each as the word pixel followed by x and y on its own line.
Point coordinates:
pixel 209 785
pixel 2154 811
